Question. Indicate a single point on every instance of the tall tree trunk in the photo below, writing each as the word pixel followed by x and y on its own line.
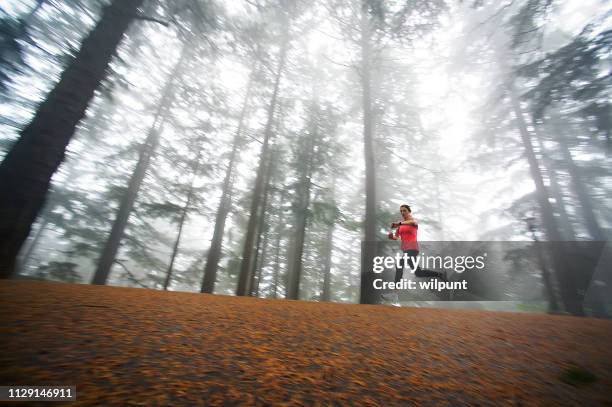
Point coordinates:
pixel 577 184
pixel 279 232
pixel 553 306
pixel 147 151
pixel 111 247
pixel 303 196
pixel 597 305
pixel 244 278
pixel 367 294
pixel 326 290
pixel 25 173
pixel 567 230
pixel 262 258
pixel 262 228
pixel 566 227
pixel 568 288
pixel 214 253
pixel 97 124
pixel 184 211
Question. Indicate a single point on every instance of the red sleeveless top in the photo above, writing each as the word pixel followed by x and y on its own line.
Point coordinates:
pixel 408 236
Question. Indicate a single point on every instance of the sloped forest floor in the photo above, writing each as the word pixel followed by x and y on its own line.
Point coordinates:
pixel 141 347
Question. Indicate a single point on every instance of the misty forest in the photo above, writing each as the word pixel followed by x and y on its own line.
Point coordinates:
pixel 248 147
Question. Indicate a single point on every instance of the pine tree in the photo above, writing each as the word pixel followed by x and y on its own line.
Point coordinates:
pixel 26 170
pixel 246 268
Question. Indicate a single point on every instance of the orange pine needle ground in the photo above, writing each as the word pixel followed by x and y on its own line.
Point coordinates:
pixel 140 347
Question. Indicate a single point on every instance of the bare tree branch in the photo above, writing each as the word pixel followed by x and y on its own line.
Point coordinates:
pixel 153 19
pixel 130 274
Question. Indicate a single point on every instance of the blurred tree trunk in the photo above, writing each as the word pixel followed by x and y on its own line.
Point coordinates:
pixel 277 248
pixel 25 258
pixel 567 230
pixel 184 211
pixel 597 305
pixel 262 258
pixel 301 211
pixel 553 305
pixel 97 123
pixel 572 302
pixel 246 266
pixel 262 227
pixel 25 173
pixel 111 247
pixel 147 151
pixel 329 246
pixel 214 253
pixel 367 294
pixel 577 184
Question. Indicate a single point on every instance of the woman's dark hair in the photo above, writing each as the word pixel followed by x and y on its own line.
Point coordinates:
pixel 407 207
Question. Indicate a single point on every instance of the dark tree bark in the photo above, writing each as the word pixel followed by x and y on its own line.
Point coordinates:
pixel 214 253
pixel 244 278
pixel 147 151
pixel 25 173
pixel 96 124
pixel 566 281
pixel 367 294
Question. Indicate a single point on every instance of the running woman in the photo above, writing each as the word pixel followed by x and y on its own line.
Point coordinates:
pixel 406 231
